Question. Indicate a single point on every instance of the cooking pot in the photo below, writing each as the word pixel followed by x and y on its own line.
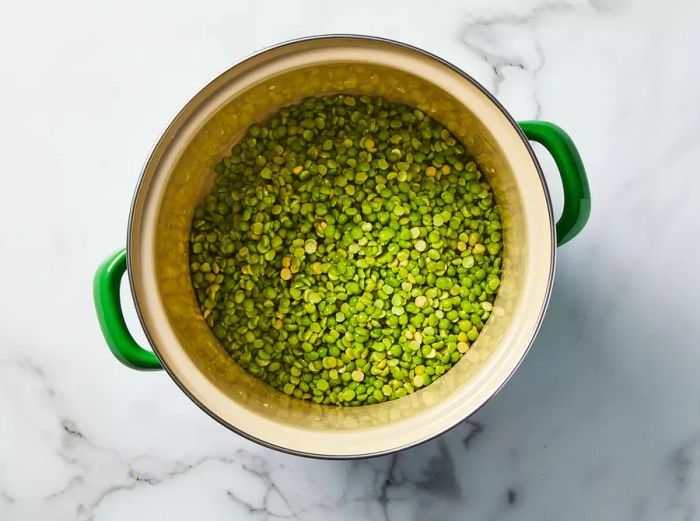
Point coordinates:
pixel 179 173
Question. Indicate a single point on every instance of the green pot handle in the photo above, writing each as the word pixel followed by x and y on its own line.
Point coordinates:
pixel 109 314
pixel 577 194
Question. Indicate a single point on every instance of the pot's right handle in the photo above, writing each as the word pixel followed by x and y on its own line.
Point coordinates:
pixel 111 318
pixel 577 194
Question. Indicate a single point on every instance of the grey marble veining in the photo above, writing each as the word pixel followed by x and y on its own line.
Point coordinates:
pixel 601 421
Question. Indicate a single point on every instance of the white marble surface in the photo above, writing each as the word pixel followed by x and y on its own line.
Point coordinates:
pixel 602 420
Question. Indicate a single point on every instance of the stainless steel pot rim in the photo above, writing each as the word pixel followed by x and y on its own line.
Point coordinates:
pixel 540 317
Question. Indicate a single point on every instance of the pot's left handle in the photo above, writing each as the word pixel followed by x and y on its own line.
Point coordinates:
pixel 109 314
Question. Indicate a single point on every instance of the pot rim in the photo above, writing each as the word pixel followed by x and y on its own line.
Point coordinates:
pixel 537 324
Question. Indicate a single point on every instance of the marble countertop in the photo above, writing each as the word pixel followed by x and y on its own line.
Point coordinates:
pixel 601 421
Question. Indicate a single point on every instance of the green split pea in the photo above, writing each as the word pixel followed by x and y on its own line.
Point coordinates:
pixel 349 252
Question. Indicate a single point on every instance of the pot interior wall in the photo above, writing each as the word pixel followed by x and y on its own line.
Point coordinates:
pixel 194 356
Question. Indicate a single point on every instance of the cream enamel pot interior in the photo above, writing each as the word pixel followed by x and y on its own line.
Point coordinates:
pixel 180 171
